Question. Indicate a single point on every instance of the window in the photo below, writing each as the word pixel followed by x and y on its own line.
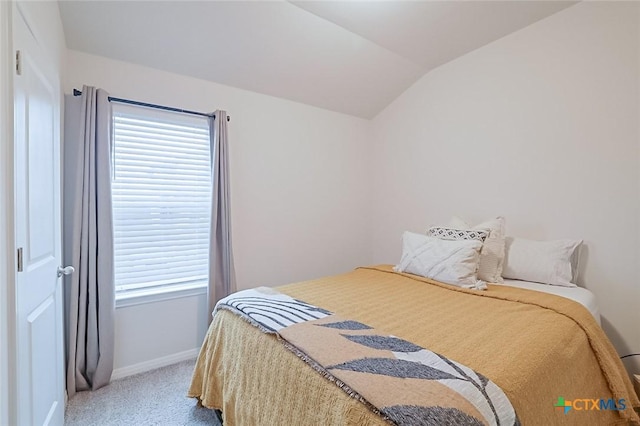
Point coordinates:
pixel 161 201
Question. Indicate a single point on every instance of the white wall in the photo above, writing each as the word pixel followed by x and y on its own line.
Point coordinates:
pixel 541 127
pixel 299 193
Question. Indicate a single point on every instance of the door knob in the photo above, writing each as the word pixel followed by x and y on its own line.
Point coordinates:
pixel 68 270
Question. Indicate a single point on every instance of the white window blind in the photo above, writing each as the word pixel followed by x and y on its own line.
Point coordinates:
pixel 161 200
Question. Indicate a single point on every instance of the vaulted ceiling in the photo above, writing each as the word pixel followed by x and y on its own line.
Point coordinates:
pixel 353 57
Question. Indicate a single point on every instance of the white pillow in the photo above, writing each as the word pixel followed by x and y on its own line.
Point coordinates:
pixel 452 262
pixel 492 253
pixel 547 262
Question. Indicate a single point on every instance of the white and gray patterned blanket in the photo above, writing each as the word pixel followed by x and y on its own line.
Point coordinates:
pixel 403 382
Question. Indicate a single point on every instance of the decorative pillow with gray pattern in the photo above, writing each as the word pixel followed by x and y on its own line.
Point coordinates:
pixel 445 233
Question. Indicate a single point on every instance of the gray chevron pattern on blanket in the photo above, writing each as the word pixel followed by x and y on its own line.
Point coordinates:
pixel 401 381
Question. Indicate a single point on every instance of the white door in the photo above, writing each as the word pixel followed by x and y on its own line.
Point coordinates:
pixel 40 356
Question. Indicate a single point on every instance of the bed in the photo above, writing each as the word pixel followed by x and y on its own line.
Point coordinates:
pixel 536 347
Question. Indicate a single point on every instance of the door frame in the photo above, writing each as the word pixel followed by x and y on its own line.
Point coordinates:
pixel 7 221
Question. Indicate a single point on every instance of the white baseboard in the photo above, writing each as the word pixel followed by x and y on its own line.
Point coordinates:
pixel 141 367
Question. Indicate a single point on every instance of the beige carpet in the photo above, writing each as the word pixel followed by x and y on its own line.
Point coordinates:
pixel 156 397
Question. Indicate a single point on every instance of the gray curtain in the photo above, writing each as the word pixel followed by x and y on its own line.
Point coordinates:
pixel 222 276
pixel 88 241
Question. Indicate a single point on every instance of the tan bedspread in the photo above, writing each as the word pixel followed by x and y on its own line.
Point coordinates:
pixel 536 347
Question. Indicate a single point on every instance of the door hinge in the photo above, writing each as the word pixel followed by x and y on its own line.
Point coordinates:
pixel 20 265
pixel 18 62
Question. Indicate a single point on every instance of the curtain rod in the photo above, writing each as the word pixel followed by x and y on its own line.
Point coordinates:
pixel 77 92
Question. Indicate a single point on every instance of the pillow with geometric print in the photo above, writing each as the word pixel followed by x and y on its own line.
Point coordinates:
pixel 446 233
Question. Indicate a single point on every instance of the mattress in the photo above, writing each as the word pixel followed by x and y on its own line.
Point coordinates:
pixel 577 294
